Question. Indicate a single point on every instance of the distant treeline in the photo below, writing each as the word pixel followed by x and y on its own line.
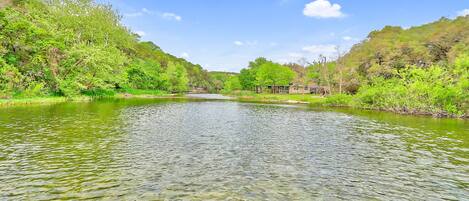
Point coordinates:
pixel 423 69
pixel 74 47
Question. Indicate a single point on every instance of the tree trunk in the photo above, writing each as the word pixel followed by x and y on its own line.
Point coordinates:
pixel 340 81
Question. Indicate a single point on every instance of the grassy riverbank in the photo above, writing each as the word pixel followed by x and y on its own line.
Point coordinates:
pixel 279 98
pixel 127 93
pixel 42 100
pixel 338 100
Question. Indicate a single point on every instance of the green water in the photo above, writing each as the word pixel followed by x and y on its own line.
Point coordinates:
pixel 224 150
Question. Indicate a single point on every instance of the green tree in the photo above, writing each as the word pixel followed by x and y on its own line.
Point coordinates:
pixel 274 74
pixel 70 47
pixel 247 78
pixel 248 75
pixel 232 84
pixel 176 77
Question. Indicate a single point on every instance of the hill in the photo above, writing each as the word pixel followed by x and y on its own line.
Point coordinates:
pixel 70 48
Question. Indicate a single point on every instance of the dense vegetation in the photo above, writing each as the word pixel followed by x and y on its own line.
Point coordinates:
pixel 263 72
pixel 219 80
pixel 78 47
pixel 421 70
pixel 74 47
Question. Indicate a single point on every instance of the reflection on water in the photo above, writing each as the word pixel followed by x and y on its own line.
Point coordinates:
pixel 162 149
pixel 209 96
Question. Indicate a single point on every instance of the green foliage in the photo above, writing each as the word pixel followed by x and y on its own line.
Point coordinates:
pixel 145 74
pixel 232 84
pixel 248 75
pixel 435 90
pixel 247 78
pixel 33 90
pixel 94 67
pixel 176 77
pixel 99 93
pixel 80 47
pixel 261 72
pixel 339 100
pixel 143 92
pixel 10 79
pixel 218 80
pixel 322 73
pixel 274 74
pixel 69 87
pixel 393 48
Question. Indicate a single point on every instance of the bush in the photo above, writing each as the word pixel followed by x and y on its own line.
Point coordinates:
pixel 339 100
pixel 232 84
pixel 33 90
pixel 99 93
pixel 143 92
pixel 437 90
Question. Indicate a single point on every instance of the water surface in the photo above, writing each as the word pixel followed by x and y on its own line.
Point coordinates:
pixel 222 150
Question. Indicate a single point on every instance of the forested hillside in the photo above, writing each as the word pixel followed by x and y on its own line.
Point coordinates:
pixel 394 48
pixel 423 69
pixel 79 47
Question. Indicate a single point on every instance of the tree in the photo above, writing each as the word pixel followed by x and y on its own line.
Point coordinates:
pixel 145 74
pixel 274 74
pixel 232 84
pixel 176 77
pixel 325 73
pixel 247 78
pixel 248 75
pixel 339 75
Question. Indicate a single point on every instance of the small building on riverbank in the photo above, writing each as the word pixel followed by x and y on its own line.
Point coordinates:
pixel 198 90
pixel 293 89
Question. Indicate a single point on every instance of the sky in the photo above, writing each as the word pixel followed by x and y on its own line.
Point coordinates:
pixel 224 35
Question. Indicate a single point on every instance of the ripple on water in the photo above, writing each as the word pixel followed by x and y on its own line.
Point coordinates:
pixel 222 150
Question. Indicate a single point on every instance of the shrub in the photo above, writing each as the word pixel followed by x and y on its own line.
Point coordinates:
pixel 33 90
pixel 339 100
pixel 437 90
pixel 99 92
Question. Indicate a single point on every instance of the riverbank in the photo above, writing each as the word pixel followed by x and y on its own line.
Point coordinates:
pixel 280 98
pixel 42 100
pixel 345 101
pixel 339 100
pixel 125 94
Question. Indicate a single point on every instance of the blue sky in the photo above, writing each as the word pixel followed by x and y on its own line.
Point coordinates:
pixel 225 35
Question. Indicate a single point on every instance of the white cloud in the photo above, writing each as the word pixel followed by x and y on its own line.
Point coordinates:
pixel 171 16
pixel 347 38
pixel 185 55
pixel 245 43
pixel 309 53
pixel 140 33
pixel 136 14
pixel 323 9
pixel 142 12
pixel 324 50
pixel 273 44
pixel 464 12
pixel 238 43
pixel 146 11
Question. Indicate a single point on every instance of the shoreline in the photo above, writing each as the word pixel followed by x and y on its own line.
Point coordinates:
pixel 48 100
pixel 315 101
pixel 319 101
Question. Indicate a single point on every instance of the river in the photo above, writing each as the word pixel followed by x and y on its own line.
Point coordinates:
pixel 144 149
